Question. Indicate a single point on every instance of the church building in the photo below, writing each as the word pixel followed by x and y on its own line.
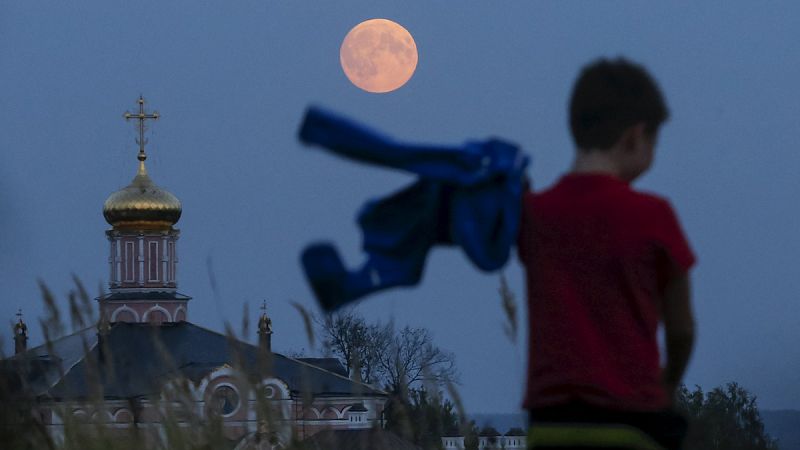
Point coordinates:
pixel 145 357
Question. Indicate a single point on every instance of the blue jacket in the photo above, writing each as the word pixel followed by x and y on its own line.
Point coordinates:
pixel 468 195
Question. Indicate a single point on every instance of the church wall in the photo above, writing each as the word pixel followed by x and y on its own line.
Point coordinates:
pixel 118 418
pixel 333 413
pixel 144 311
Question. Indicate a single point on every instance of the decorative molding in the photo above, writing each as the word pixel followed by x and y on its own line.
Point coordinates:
pixel 157 307
pixel 118 262
pixel 146 289
pixel 179 309
pixel 320 412
pixel 238 394
pixel 164 261
pixel 111 258
pixel 141 259
pixel 144 301
pixel 121 412
pixel 130 261
pixel 152 261
pixel 125 308
pixel 282 387
pixel 106 416
pixel 221 371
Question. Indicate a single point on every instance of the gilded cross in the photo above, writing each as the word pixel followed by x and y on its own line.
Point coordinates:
pixel 19 314
pixel 141 117
pixel 263 306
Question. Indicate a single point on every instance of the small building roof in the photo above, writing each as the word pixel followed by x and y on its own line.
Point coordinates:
pixel 489 432
pixel 364 439
pixel 358 407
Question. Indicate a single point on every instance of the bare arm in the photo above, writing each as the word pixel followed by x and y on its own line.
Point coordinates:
pixel 678 330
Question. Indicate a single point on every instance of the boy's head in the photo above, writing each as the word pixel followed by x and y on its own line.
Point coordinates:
pixel 617 108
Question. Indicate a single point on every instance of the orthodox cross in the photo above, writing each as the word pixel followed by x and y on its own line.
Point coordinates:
pixel 141 117
pixel 263 307
pixel 19 314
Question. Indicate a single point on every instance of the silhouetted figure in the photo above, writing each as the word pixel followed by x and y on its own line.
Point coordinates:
pixel 604 265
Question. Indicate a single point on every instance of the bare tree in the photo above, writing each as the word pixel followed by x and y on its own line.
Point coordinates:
pixel 380 355
pixel 358 344
pixel 406 363
pixel 412 358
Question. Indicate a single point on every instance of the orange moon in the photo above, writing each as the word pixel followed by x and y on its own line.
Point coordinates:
pixel 378 55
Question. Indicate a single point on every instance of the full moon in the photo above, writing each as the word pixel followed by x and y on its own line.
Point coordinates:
pixel 378 55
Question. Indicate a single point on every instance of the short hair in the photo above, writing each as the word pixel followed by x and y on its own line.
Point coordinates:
pixel 609 97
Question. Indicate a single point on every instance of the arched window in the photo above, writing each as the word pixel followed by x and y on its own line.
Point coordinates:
pixel 224 401
pixel 125 316
pixel 171 262
pixel 180 315
pixel 152 261
pixel 130 262
pixel 156 317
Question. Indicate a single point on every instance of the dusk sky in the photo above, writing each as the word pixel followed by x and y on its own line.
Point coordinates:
pixel 232 79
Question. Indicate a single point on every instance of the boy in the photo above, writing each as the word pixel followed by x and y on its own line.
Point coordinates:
pixel 604 265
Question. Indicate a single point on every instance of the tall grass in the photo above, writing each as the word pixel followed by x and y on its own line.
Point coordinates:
pixel 175 418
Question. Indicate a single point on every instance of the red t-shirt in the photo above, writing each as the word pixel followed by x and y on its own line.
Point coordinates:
pixel 597 256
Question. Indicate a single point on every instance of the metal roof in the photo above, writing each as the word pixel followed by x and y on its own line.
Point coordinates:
pixel 137 359
pixel 364 439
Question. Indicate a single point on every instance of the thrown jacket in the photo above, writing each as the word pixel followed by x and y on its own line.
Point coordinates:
pixel 469 196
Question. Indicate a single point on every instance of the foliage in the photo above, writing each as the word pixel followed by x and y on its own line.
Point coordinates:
pixel 422 417
pixel 471 435
pixel 407 363
pixel 723 419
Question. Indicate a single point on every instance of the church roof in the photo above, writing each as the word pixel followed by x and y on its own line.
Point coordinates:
pixel 516 431
pixel 143 295
pixel 329 364
pixel 489 432
pixel 143 357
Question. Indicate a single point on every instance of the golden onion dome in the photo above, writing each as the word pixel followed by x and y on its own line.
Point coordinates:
pixel 142 204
